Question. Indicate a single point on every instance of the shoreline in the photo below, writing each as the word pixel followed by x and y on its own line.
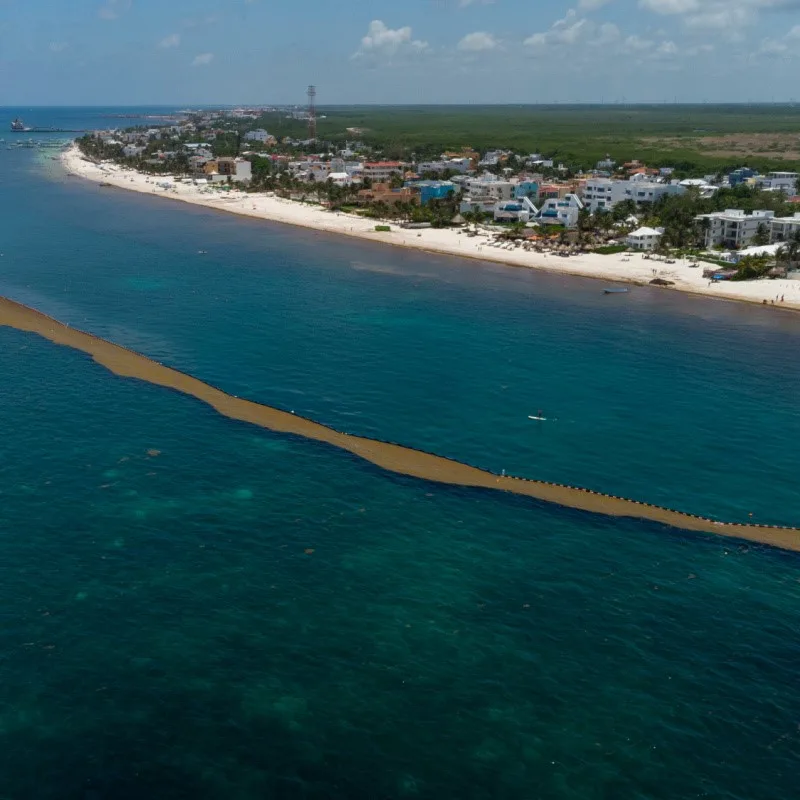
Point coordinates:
pixel 443 241
pixel 389 457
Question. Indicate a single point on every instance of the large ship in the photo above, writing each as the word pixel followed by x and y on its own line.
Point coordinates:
pixel 18 126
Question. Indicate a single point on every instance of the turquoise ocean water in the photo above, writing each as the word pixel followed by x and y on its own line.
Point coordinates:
pixel 237 614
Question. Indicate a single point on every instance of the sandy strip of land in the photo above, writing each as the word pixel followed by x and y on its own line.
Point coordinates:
pixel 620 267
pixel 390 457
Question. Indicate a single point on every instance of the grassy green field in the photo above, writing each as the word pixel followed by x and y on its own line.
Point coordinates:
pixel 694 137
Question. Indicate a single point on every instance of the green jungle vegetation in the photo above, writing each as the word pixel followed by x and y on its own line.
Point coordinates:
pixel 685 136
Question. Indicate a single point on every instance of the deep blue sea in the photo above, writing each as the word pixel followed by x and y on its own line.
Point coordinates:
pixel 195 608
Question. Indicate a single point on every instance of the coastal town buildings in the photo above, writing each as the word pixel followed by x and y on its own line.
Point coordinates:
pixel 384 193
pixel 598 194
pixel 259 135
pixel 644 238
pixel 645 191
pixel 778 182
pixel 515 211
pixel 340 178
pixel 783 228
pixel 453 165
pixel 733 228
pixel 506 187
pixel 472 156
pixel 433 190
pixel 383 170
pixel 561 211
pixel 605 193
pixel 740 175
pixel 237 170
pixel 133 150
pixel 490 186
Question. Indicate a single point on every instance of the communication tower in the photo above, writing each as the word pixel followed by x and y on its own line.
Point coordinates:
pixel 312 112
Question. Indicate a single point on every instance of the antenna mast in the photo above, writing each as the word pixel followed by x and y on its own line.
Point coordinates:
pixel 312 112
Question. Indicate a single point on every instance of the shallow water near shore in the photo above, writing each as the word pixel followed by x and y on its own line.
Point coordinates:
pixel 240 614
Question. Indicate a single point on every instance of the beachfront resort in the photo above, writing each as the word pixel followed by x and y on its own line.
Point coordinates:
pixel 734 233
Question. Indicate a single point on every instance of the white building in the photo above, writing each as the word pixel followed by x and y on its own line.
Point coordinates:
pixel 132 150
pixel 340 178
pixel 561 211
pixel 515 211
pixel 701 185
pixel 311 170
pixel 459 166
pixel 605 193
pixel 486 192
pixel 643 191
pixel 492 158
pixel 490 186
pixel 733 228
pixel 770 250
pixel 778 182
pixel 784 228
pixel 645 238
pixel 382 171
pixel 478 203
pixel 258 135
pixel 599 194
pixel 238 170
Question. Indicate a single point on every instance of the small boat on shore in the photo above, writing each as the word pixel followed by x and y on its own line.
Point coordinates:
pixel 616 290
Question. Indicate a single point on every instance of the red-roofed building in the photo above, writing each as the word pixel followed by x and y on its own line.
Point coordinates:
pixel 383 193
pixel 549 191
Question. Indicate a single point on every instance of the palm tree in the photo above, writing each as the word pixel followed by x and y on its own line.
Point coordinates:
pixel 790 251
pixel 704 228
pixel 603 220
pixel 762 235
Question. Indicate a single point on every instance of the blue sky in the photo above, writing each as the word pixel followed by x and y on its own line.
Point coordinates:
pixel 71 52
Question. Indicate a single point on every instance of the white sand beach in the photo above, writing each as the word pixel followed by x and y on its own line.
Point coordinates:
pixel 619 267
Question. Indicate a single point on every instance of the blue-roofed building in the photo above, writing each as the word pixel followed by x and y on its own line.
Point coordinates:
pixel 741 175
pixel 433 190
pixel 515 210
pixel 526 189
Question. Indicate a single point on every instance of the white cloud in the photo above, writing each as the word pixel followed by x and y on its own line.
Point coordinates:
pixel 607 33
pixel 577 34
pixel 202 60
pixel 591 5
pixel 465 3
pixel 384 42
pixel 786 47
pixel 733 16
pixel 634 44
pixel 173 40
pixel 666 49
pixel 58 47
pixel 478 42
pixel 571 30
pixel 112 9
pixel 700 49
pixel 772 47
pixel 670 6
